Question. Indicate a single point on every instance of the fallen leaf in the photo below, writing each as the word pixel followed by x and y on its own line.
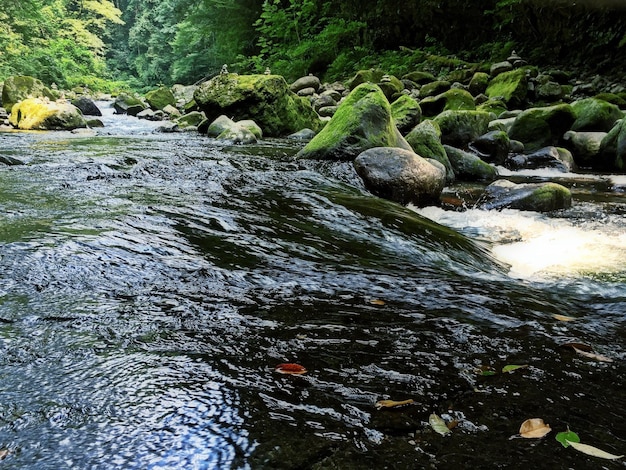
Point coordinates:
pixel 592 355
pixel 485 371
pixel 556 316
pixel 290 369
pixel 534 428
pixel 377 302
pixel 392 404
pixel 593 451
pixel 566 437
pixel 512 367
pixel 579 346
pixel 3 453
pixel 438 425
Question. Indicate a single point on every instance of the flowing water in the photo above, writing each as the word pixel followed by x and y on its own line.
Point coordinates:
pixel 150 283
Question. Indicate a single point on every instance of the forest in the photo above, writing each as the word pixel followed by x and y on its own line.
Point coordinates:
pixel 112 44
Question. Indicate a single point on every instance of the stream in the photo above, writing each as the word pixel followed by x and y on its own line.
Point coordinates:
pixel 151 282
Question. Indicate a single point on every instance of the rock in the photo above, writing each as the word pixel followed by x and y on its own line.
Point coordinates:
pixel 493 147
pixel 304 134
pixel 150 115
pixel 478 84
pixel 40 114
pixel 469 167
pixel 511 87
pixel 539 197
pixel 495 106
pixel 309 81
pixel 87 106
pixel 406 113
pixel 93 123
pixel 585 146
pixel 21 87
pixel 10 161
pixel 458 128
pixel 613 148
pixel 541 127
pixel 593 114
pixel 219 125
pixel 192 119
pixel 172 111
pixel 547 157
pixel 160 98
pixel 242 132
pixel 264 98
pixel 501 124
pixel 425 139
pixel 238 135
pixel 391 86
pixel 452 99
pixel 128 104
pixel 365 76
pixel 434 88
pixel 400 175
pixel 362 121
pixel 500 67
pixel 419 77
pixel 549 91
pixel 183 93
pixel 306 92
pixel 327 111
pixel 252 126
pixel 324 100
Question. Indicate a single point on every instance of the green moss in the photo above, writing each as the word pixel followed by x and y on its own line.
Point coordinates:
pixel 593 114
pixel 539 127
pixel 160 98
pixel 406 112
pixel 461 127
pixel 38 114
pixel 549 197
pixel 511 87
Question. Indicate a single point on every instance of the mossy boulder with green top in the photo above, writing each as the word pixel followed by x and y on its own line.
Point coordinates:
pixel 362 121
pixel 41 114
pixel 593 114
pixel 425 139
pixel 266 99
pixel 511 87
pixel 21 87
pixel 453 99
pixel 538 197
pixel 460 127
pixel 406 113
pixel 542 127
pixel 160 98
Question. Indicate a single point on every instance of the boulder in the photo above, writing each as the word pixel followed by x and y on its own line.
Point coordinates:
pixel 40 114
pixel 324 100
pixel 21 87
pixel 593 114
pixel 264 98
pixel 251 126
pixel 498 68
pixel 434 88
pixel 128 104
pixel 469 167
pixel 365 76
pixel 478 84
pixel 391 86
pixel 539 197
pixel 493 147
pixel 87 106
pixel 541 127
pixel 549 91
pixel 160 98
pixel 547 157
pixel 613 148
pixel 400 175
pixel 585 146
pixel 220 124
pixel 425 139
pixel 362 121
pixel 452 99
pixel 458 128
pixel 497 107
pixel 511 87
pixel 302 83
pixel 420 77
pixel 406 113
pixel 242 132
pixel 192 119
pixel 303 134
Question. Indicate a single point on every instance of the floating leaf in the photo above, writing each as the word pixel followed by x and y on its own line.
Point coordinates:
pixel 534 428
pixel 579 346
pixel 566 437
pixel 592 355
pixel 593 451
pixel 485 371
pixel 290 369
pixel 392 404
pixel 438 425
pixel 3 453
pixel 377 302
pixel 511 367
pixel 556 316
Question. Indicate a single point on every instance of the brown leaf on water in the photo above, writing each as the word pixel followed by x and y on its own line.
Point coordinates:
pixel 377 302
pixel 534 428
pixel 556 316
pixel 392 403
pixel 579 346
pixel 290 369
pixel 592 355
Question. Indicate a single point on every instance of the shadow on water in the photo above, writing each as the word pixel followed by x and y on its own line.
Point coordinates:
pixel 151 283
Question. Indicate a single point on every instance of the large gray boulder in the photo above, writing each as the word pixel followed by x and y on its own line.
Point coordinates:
pixel 538 197
pixel 400 175
pixel 362 121
pixel 266 99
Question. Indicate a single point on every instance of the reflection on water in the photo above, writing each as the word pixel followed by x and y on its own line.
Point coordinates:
pixel 151 282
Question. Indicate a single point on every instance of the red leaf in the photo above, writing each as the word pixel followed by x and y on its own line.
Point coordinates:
pixel 290 368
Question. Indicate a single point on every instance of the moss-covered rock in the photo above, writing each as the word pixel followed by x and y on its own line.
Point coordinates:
pixel 192 119
pixel 593 114
pixel 538 197
pixel 434 88
pixel 420 77
pixel 40 114
pixel 21 87
pixel 452 99
pixel 161 97
pixel 406 113
pixel 493 147
pixel 479 83
pixel 613 148
pixel 469 167
pixel 365 76
pixel 547 157
pixel 495 106
pixel 458 128
pixel 400 175
pixel 511 87
pixel 425 139
pixel 126 103
pixel 585 147
pixel 542 127
pixel 362 121
pixel 266 99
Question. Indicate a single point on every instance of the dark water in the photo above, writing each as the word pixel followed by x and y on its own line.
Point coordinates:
pixel 151 282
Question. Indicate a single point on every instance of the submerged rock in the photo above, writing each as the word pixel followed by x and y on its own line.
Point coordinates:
pixel 538 197
pixel 39 114
pixel 400 175
pixel 362 121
